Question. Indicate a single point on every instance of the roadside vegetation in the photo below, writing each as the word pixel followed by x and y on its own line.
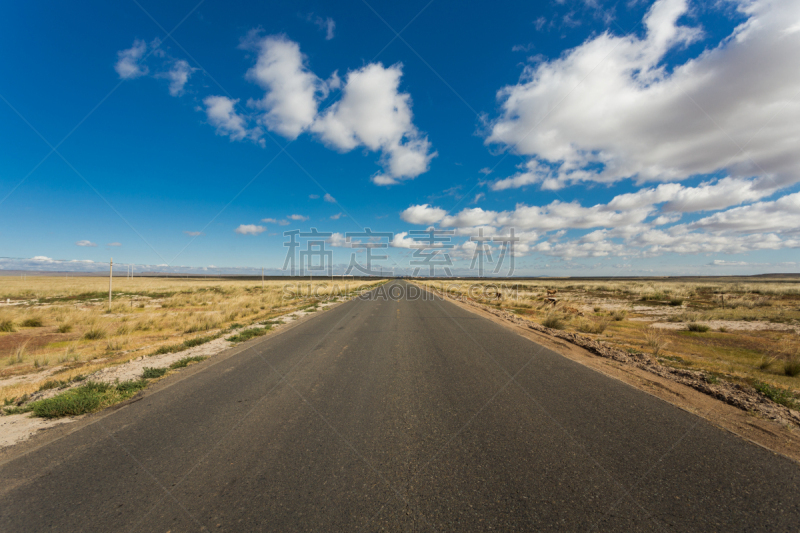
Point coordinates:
pixel 740 330
pixel 62 328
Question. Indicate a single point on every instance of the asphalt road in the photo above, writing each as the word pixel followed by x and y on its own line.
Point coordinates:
pixel 398 415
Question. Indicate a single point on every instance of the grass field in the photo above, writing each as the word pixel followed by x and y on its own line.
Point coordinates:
pixel 65 324
pixel 742 331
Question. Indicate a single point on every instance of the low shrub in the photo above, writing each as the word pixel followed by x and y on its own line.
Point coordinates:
pixel 777 394
pixel 699 328
pixel 791 367
pixel 7 326
pixel 186 361
pixel 33 322
pixel 153 373
pixel 587 326
pixel 619 315
pixel 94 334
pixel 553 322
pixel 64 328
pixel 248 334
pixel 85 399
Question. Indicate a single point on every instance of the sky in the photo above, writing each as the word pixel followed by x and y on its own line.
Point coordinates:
pixel 563 138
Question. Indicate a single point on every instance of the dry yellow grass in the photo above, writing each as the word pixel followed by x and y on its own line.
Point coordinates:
pixel 755 323
pixel 66 322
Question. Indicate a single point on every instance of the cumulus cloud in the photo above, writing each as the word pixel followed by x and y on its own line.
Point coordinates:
pixel 250 229
pixel 85 243
pixel 291 98
pixel 423 214
pixel 130 63
pixel 221 113
pixel 373 113
pixel 779 216
pixel 299 218
pixel 609 109
pixel 275 221
pixel 330 199
pixel 178 75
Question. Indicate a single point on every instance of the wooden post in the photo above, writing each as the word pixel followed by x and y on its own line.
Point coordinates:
pixel 110 277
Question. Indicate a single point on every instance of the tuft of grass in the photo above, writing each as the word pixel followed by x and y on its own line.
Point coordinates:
pixel 64 328
pixel 87 398
pixel 553 322
pixel 186 361
pixel 765 362
pixel 33 322
pixel 248 334
pixel 587 326
pixel 94 334
pixel 52 384
pixel 7 326
pixel 153 373
pixel 700 328
pixel 676 302
pixel 792 367
pixel 655 339
pixel 619 315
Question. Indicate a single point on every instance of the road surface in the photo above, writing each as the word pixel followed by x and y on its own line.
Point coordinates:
pixel 398 415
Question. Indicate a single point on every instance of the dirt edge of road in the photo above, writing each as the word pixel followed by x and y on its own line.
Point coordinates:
pixel 723 404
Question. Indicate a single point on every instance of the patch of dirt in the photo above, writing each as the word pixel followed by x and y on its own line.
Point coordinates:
pixel 737 408
pixel 731 325
pixel 32 339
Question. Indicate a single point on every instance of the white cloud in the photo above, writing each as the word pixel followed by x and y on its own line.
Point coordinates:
pixel 85 243
pixel 222 115
pixel 178 75
pixel 373 113
pixel 275 221
pixel 130 61
pixel 328 25
pixel 194 233
pixel 299 218
pixel 250 229
pixel 338 240
pixel 423 214
pixel 337 216
pixel 780 216
pixel 114 244
pixel 290 103
pixel 329 198
pixel 609 110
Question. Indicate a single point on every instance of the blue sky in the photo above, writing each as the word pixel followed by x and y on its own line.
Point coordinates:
pixel 614 138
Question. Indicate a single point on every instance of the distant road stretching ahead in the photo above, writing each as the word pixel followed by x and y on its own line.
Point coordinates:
pixel 398 415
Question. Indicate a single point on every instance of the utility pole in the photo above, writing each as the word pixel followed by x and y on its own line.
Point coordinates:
pixel 110 277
